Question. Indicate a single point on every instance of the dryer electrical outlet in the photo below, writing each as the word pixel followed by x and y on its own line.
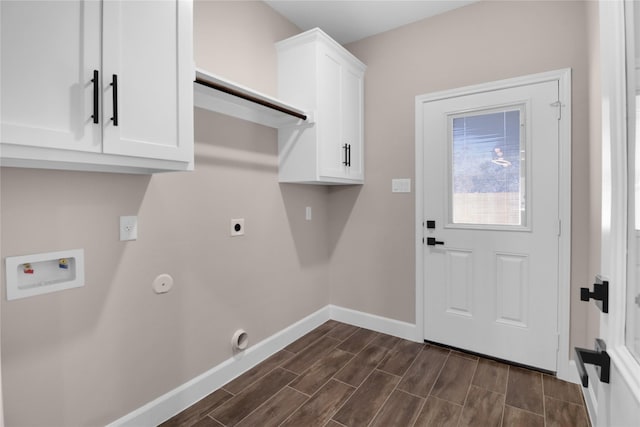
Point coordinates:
pixel 237 227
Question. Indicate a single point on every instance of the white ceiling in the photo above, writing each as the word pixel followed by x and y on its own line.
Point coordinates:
pixel 351 20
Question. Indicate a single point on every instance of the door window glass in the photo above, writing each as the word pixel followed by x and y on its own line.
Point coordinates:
pixel 487 181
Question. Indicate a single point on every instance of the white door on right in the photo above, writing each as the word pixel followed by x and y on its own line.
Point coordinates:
pixel 491 212
pixel 612 392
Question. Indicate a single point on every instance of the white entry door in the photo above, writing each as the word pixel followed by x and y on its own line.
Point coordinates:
pixel 491 212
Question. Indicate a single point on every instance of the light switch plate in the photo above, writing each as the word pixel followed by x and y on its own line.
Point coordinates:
pixel 401 185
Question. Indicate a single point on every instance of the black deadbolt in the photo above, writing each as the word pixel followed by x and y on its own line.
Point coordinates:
pixel 600 294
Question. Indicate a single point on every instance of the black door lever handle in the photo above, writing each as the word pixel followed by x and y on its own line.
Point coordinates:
pixel 431 241
pixel 598 357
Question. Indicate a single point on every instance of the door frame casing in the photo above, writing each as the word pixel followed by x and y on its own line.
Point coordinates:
pixel 563 77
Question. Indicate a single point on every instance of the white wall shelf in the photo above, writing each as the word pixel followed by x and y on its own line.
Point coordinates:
pixel 215 93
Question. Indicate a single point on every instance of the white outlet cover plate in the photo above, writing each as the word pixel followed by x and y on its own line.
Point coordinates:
pixel 401 185
pixel 128 228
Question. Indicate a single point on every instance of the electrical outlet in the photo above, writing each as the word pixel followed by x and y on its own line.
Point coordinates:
pixel 128 228
pixel 237 227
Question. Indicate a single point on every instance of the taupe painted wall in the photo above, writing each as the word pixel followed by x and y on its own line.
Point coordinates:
pixel 482 42
pixel 88 356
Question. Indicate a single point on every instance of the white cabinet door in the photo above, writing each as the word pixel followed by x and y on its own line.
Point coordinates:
pixel 147 54
pixel 49 52
pixel 353 121
pixel 340 118
pixel 330 145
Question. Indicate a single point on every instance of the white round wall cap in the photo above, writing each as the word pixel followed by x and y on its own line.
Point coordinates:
pixel 162 284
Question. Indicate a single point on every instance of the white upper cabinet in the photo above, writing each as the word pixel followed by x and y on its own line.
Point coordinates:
pixel 136 116
pixel 320 76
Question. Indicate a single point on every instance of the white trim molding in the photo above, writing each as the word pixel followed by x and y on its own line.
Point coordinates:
pixel 563 77
pixel 384 325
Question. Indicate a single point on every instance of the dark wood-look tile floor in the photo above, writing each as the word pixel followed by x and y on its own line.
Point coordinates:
pixel 340 375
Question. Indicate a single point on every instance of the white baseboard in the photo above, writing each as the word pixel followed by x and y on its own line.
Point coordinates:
pixel 180 398
pixel 384 325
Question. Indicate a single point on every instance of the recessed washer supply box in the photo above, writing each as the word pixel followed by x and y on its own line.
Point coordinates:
pixel 36 274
